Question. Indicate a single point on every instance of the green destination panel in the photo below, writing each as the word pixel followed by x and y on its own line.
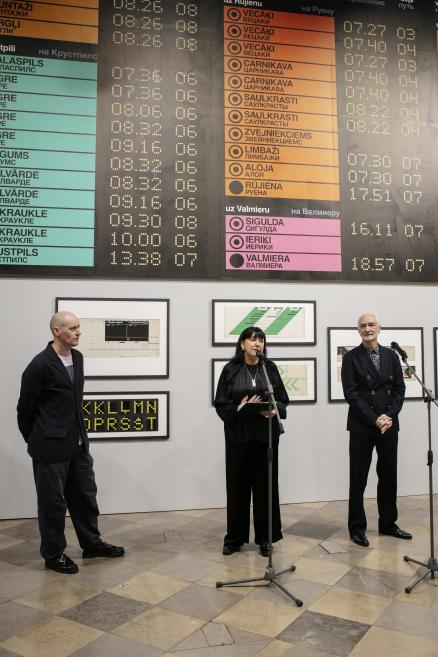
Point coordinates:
pixel 48 122
pixel 28 102
pixel 47 161
pixel 34 159
pixel 83 180
pixel 47 255
pixel 45 217
pixel 37 236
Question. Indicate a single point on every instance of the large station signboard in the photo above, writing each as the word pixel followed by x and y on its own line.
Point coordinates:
pixel 245 139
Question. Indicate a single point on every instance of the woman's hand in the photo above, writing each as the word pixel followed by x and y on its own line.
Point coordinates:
pixel 255 399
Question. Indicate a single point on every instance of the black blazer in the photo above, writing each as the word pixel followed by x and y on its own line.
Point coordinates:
pixel 370 393
pixel 49 410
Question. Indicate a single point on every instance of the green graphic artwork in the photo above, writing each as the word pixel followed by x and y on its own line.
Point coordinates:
pixel 272 319
pixel 294 379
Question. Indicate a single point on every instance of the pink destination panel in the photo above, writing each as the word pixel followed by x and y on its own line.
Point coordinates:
pixel 283 262
pixel 283 243
pixel 263 224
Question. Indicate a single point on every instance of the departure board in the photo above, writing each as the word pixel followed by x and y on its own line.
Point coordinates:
pixel 236 140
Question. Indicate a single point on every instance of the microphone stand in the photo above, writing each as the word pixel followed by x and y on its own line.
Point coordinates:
pixel 431 564
pixel 270 575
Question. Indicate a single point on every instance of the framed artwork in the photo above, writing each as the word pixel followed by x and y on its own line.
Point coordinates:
pixel 341 340
pixel 297 374
pixel 122 338
pixel 126 415
pixel 284 322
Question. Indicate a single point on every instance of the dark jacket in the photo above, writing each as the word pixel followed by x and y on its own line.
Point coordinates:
pixel 370 393
pixel 230 391
pixel 49 410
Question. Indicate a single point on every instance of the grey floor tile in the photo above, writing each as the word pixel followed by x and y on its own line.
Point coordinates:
pixel 105 573
pixel 17 581
pixel 21 554
pixel 183 566
pixel 312 528
pixel 15 617
pixel 108 524
pixel 26 530
pixel 366 580
pixel 194 641
pixel 248 650
pixel 110 645
pixel 105 611
pixel 350 557
pixel 201 601
pixel 410 619
pixel 241 637
pixel 337 636
pixel 217 634
pixel 7 653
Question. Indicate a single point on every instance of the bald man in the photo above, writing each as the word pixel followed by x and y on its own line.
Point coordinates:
pixel 50 418
pixel 373 385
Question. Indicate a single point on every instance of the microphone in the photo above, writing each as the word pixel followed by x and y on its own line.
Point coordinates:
pixel 260 354
pixel 401 352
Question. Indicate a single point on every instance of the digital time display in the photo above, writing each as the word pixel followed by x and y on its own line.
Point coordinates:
pixel 239 140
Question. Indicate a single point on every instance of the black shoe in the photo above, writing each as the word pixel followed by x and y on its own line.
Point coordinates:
pixel 264 549
pixel 62 564
pixel 360 539
pixel 102 550
pixel 229 549
pixel 396 532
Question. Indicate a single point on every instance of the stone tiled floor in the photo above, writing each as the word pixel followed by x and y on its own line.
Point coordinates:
pixel 161 598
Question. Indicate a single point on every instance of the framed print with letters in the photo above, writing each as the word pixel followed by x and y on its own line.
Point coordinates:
pixel 341 340
pixel 297 374
pixel 284 322
pixel 126 415
pixel 122 338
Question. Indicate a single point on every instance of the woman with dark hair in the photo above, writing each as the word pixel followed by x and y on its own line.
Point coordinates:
pixel 242 382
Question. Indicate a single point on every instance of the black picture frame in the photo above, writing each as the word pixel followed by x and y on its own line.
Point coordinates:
pixel 134 316
pixel 131 424
pixel 216 368
pixel 306 334
pixel 409 337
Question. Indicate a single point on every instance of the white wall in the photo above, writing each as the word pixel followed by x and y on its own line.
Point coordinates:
pixel 187 471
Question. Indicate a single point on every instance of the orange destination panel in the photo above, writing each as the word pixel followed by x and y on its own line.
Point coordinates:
pixel 62 21
pixel 281 139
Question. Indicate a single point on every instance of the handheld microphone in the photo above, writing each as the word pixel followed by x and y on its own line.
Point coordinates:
pixel 260 354
pixel 401 352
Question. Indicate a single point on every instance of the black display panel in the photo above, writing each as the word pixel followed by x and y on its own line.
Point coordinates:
pixel 241 140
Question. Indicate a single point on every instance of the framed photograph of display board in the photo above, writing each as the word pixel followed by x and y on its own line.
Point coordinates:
pixel 122 338
pixel 341 340
pixel 126 415
pixel 284 322
pixel 298 376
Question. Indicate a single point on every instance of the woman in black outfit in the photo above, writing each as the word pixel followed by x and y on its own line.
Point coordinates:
pixel 246 439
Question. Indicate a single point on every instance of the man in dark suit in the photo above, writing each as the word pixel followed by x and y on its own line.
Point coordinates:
pixel 50 417
pixel 373 385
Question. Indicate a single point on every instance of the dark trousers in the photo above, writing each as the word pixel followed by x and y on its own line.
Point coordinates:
pixel 61 486
pixel 361 451
pixel 247 472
